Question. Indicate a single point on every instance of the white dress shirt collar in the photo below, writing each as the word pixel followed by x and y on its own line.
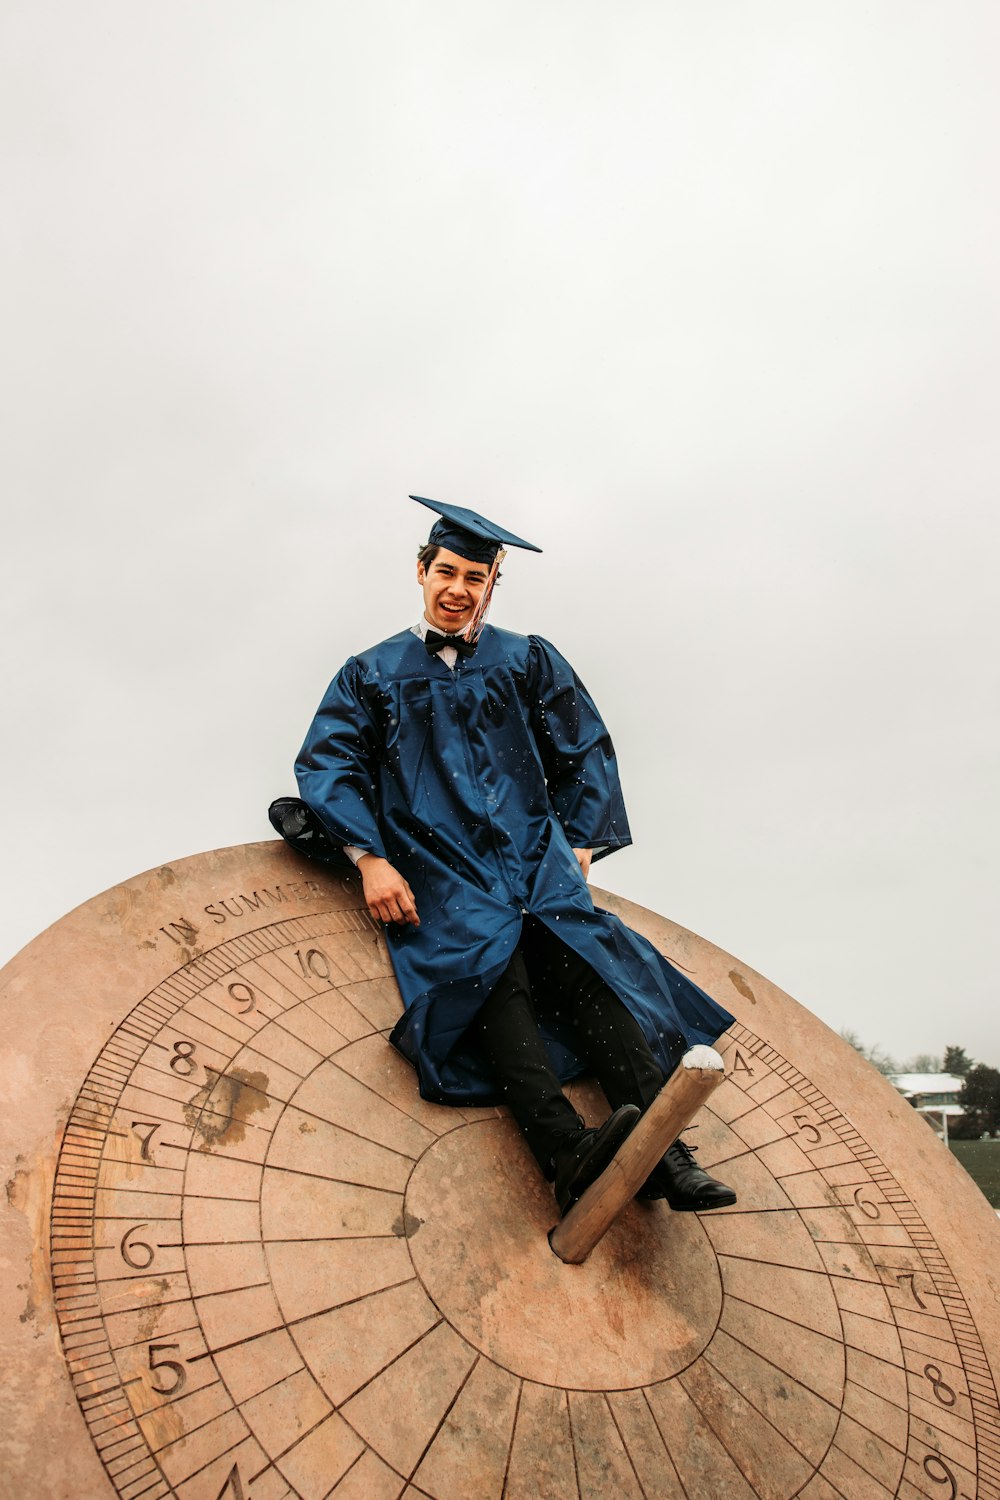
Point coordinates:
pixel 447 654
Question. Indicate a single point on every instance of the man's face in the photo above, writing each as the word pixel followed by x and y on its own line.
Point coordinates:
pixel 452 588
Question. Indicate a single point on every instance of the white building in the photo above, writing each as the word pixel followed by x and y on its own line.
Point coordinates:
pixel 933 1094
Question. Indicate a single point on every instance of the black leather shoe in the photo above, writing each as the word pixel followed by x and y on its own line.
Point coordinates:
pixel 582 1160
pixel 678 1178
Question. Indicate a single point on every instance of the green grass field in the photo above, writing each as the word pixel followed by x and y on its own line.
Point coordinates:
pixel 981 1159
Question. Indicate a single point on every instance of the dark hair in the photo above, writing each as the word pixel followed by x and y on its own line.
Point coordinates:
pixel 429 551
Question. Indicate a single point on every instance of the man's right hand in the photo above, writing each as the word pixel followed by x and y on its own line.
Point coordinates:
pixel 388 896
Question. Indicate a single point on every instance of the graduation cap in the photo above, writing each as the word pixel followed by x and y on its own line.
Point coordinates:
pixel 470 535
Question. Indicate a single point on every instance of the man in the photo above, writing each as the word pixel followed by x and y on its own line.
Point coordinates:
pixel 466 771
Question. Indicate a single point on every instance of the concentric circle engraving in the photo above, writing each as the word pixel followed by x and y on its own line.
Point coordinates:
pixel 277 1271
pixel 641 1308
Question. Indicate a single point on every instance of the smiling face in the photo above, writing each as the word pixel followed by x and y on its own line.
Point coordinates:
pixel 452 588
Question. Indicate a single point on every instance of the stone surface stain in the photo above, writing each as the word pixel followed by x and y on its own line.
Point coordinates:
pixel 616 1317
pixel 189 954
pixel 406 1225
pixel 219 1113
pixel 150 1316
pixel 29 1191
pixel 121 905
pixel 740 985
pixel 163 1424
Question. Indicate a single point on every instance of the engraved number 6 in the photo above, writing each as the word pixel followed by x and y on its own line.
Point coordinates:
pixel 137 1254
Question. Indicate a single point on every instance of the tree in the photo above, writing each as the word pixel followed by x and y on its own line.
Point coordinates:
pixel 957 1061
pixel 881 1060
pixel 924 1062
pixel 980 1099
pixel 876 1055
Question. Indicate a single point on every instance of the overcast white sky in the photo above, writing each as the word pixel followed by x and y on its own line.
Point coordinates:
pixel 701 298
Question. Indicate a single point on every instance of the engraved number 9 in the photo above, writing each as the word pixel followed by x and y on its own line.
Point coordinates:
pixel 243 995
pixel 935 1468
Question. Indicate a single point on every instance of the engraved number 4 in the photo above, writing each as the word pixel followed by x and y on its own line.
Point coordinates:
pixel 233 1487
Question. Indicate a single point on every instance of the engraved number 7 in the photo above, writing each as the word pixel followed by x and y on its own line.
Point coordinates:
pixel 140 1126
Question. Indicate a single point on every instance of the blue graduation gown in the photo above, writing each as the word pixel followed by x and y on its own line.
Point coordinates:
pixel 477 783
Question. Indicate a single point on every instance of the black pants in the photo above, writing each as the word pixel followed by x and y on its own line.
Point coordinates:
pixel 545 978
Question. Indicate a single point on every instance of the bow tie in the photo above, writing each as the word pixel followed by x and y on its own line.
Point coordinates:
pixel 435 642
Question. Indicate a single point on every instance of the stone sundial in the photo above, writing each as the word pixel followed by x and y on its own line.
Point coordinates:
pixel 243 1260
